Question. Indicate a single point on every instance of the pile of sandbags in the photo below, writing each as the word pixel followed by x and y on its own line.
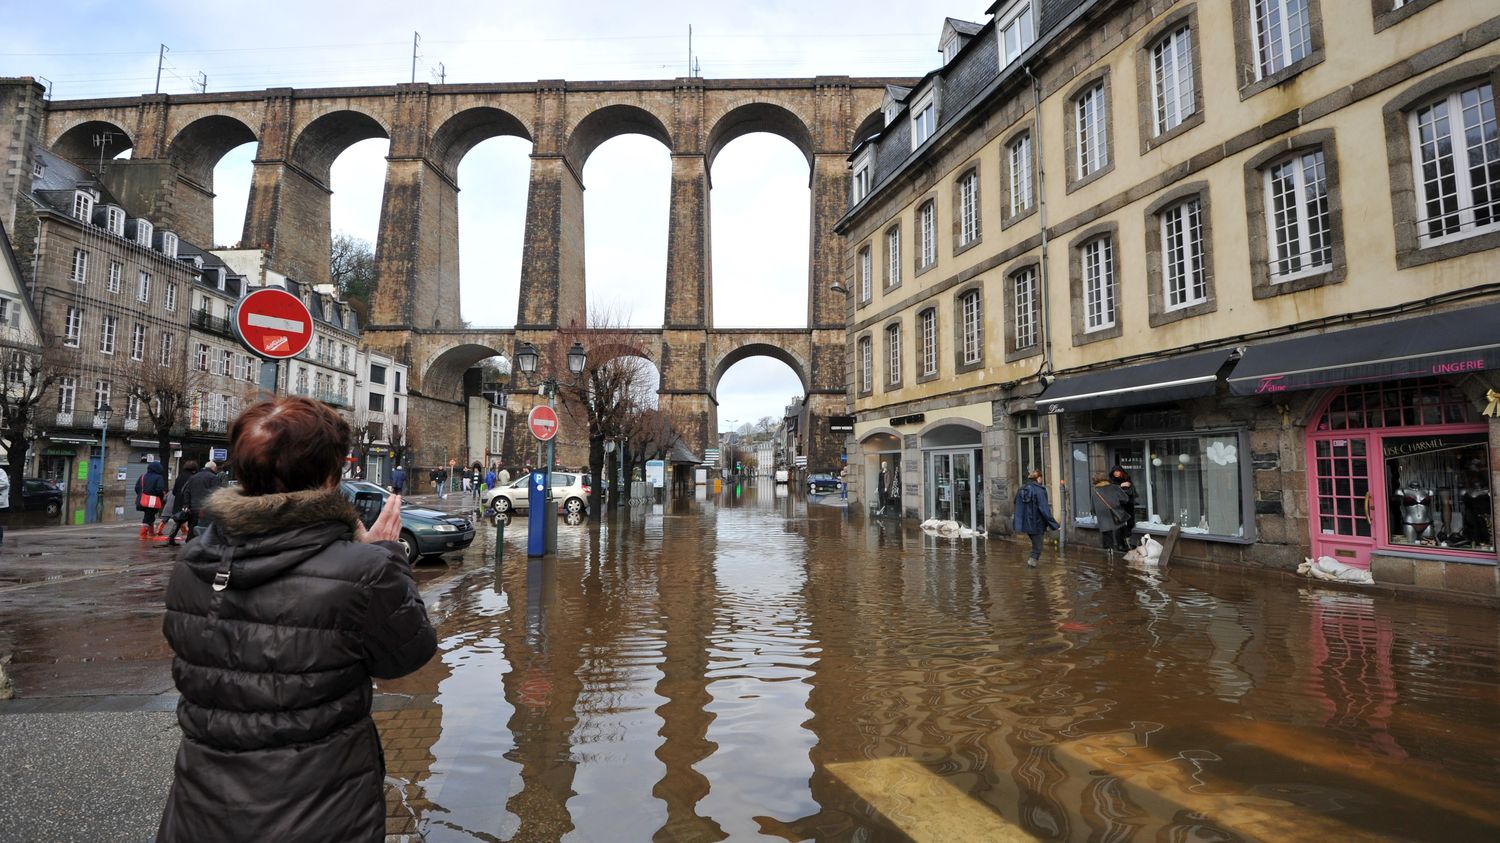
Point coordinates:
pixel 950 529
pixel 1148 553
pixel 1328 568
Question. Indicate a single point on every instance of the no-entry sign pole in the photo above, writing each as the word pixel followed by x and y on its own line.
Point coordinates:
pixel 273 324
pixel 541 521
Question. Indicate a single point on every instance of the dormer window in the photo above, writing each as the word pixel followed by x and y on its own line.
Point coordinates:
pixel 860 186
pixel 169 244
pixel 83 205
pixel 956 33
pixel 923 119
pixel 1016 30
pixel 950 49
pixel 37 168
pixel 114 220
pixel 143 232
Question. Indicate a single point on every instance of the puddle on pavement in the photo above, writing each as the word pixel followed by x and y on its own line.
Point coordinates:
pixel 752 666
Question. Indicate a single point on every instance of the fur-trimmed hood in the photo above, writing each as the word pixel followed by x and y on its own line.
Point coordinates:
pixel 239 514
pixel 255 538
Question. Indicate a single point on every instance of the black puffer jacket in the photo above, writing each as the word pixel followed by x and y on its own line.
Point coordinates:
pixel 278 621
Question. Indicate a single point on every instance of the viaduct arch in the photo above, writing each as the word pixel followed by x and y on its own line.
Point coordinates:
pixel 177 140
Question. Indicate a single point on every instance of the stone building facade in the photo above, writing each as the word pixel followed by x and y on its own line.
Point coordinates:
pixel 1258 283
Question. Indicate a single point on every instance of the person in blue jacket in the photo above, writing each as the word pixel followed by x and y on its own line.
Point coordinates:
pixel 1033 515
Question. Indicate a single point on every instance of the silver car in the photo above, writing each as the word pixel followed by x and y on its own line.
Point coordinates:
pixel 569 489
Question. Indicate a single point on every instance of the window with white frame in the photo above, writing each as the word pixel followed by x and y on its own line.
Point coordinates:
pixel 950 49
pixel 923 120
pixel 927 234
pixel 37 168
pixel 80 270
pixel 165 357
pixel 971 311
pixel 1184 276
pixel 302 380
pixel 893 256
pixel 1297 216
pixel 225 362
pixel 143 232
pixel 1283 34
pixel 114 220
pixel 72 327
pixel 861 181
pixel 1098 260
pixel 116 269
pixel 927 337
pixel 83 205
pixel 1456 156
pixel 1090 131
pixel 893 355
pixel 865 271
pixel 67 392
pixel 143 286
pixel 1023 283
pixel 1019 155
pixel 1017 31
pixel 107 334
pixel 968 208
pixel 1172 95
pixel 10 314
pixel 132 406
pixel 137 342
pixel 169 244
pixel 101 395
pixel 866 365
pixel 170 296
pixel 200 358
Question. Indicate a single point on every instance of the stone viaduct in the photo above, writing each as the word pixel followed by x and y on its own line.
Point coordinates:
pixel 176 140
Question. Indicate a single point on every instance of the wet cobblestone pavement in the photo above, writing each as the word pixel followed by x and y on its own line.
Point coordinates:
pixel 752 666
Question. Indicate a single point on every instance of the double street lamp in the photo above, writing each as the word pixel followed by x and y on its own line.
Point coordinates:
pixel 527 360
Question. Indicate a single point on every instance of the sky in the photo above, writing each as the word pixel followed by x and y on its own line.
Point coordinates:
pixel 760 196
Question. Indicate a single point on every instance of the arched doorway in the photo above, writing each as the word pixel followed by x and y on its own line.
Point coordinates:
pixel 953 473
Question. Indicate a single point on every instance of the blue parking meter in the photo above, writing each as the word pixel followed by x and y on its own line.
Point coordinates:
pixel 536 519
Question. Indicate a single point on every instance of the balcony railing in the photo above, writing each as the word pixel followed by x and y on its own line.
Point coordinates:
pixel 205 321
pixel 333 398
pixel 210 425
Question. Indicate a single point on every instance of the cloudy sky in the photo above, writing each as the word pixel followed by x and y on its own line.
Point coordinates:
pixel 760 182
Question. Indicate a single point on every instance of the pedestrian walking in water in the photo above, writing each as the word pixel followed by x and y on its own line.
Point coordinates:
pixel 398 480
pixel 278 617
pixel 180 512
pixel 150 491
pixel 1033 515
pixel 196 491
pixel 1109 504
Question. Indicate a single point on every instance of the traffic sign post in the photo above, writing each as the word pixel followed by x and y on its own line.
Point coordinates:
pixel 273 324
pixel 542 422
pixel 541 520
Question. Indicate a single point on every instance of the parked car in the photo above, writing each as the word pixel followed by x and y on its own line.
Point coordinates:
pixel 570 489
pixel 822 483
pixel 424 532
pixel 36 494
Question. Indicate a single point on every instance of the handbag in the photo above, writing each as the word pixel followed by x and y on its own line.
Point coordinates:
pixel 149 501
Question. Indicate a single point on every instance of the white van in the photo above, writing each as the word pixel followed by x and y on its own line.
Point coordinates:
pixel 781 475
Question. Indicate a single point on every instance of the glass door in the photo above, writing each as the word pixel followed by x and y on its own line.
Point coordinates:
pixel 1343 504
pixel 955 488
pixel 940 482
pixel 963 489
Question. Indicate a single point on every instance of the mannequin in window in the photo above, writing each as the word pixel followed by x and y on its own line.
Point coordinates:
pixel 1475 501
pixel 1415 504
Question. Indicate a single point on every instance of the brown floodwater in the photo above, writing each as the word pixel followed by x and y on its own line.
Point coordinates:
pixel 749 665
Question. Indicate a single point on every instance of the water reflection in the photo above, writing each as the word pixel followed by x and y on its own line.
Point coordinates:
pixel 743 663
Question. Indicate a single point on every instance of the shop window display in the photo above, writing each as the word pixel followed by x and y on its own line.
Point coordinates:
pixel 1439 494
pixel 1194 482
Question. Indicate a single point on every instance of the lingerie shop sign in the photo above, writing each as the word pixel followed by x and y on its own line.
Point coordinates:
pixel 1429 444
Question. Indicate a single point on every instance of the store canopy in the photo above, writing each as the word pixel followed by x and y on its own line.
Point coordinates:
pixel 1188 376
pixel 1450 343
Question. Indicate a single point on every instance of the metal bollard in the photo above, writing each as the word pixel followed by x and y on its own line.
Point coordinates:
pixel 499 538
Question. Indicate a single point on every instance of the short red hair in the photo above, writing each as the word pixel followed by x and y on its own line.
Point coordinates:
pixel 287 445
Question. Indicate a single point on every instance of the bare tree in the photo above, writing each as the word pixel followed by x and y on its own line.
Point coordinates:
pixel 166 395
pixel 351 268
pixel 29 375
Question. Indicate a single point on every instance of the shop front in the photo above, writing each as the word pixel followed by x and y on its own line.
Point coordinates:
pixel 881 453
pixel 953 468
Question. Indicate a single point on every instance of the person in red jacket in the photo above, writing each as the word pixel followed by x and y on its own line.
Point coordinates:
pixel 278 617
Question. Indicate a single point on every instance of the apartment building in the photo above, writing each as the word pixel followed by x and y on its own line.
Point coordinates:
pixel 380 405
pixel 1259 283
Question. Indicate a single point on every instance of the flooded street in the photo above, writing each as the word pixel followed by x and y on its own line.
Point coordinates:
pixel 754 666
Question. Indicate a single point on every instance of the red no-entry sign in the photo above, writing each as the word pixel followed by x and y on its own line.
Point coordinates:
pixel 273 323
pixel 542 422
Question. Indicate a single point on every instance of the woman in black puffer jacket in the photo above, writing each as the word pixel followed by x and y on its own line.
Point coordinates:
pixel 279 615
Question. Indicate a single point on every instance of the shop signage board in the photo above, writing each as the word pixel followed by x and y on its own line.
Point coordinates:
pixel 273 324
pixel 542 422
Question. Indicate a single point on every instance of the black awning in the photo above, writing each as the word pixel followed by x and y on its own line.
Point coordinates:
pixel 1188 376
pixel 1448 343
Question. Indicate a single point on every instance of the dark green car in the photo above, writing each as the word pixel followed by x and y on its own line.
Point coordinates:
pixel 424 532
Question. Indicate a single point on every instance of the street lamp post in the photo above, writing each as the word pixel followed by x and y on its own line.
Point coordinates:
pixel 527 359
pixel 96 506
